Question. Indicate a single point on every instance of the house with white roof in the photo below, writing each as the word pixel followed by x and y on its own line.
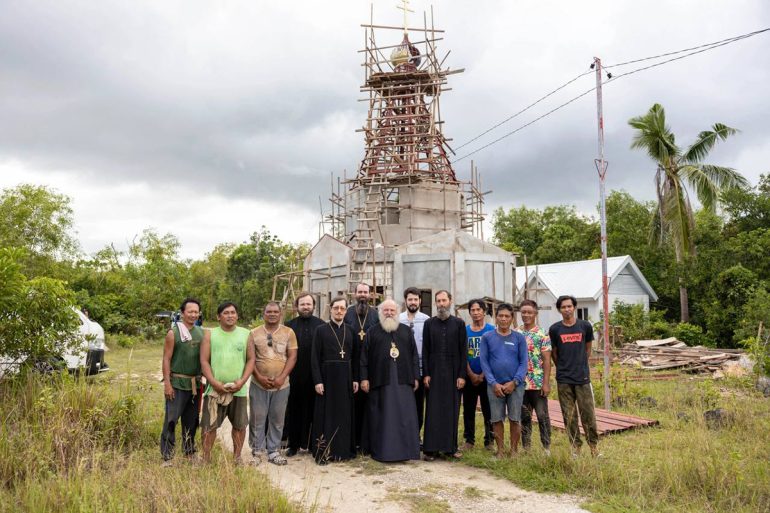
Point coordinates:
pixel 583 280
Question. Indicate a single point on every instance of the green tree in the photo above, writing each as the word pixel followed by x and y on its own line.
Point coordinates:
pixel 36 316
pixel 678 168
pixel 253 265
pixel 628 233
pixel 38 220
pixel 747 209
pixel 726 297
pixel 102 286
pixel 157 278
pixel 554 234
pixel 756 310
pixel 208 279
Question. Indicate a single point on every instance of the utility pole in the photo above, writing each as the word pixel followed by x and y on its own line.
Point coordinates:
pixel 601 167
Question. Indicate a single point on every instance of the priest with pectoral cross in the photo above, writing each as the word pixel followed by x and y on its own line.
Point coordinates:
pixel 389 372
pixel 334 364
pixel 360 317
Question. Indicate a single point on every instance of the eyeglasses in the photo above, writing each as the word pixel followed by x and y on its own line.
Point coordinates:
pixel 269 340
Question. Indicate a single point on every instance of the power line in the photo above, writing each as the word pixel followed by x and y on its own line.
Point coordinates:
pixel 695 50
pixel 525 125
pixel 525 109
pixel 715 43
pixel 702 49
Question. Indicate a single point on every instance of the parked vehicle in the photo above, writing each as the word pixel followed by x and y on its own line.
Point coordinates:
pixel 88 357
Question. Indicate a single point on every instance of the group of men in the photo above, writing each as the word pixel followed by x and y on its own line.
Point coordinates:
pixel 370 380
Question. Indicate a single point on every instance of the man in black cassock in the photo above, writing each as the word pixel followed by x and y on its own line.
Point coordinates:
pixel 299 410
pixel 334 364
pixel 389 370
pixel 444 349
pixel 360 317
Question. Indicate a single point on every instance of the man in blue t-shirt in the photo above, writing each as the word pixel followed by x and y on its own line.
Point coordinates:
pixel 503 355
pixel 476 385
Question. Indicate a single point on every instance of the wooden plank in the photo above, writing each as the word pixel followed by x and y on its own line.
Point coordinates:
pixel 606 421
pixel 653 343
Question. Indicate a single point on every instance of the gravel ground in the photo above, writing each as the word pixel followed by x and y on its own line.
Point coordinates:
pixel 366 485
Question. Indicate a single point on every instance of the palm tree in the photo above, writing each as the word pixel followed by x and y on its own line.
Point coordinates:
pixel 677 168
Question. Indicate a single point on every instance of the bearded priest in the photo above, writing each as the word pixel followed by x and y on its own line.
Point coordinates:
pixel 389 371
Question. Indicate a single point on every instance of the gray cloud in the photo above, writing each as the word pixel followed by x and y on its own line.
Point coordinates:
pixel 258 102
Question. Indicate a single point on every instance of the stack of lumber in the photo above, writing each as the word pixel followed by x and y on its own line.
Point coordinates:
pixel 670 353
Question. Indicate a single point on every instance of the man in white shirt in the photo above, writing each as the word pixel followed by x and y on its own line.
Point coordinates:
pixel 415 319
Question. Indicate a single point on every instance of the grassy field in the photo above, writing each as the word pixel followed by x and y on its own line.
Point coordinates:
pixel 91 444
pixel 682 465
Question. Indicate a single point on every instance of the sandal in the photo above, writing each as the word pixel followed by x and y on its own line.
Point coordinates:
pixel 277 459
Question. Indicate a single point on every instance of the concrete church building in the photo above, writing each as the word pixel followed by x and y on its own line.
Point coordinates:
pixel 405 219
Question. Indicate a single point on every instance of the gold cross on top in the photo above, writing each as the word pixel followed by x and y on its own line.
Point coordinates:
pixel 404 7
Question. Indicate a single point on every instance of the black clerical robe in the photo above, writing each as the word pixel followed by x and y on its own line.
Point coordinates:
pixel 444 349
pixel 358 323
pixel 299 410
pixel 334 364
pixel 390 363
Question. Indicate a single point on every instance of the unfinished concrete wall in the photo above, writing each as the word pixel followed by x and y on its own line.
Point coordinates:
pixel 413 211
pixel 456 261
pixel 326 271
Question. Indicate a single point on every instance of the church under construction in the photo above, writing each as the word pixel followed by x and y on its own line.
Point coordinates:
pixel 404 219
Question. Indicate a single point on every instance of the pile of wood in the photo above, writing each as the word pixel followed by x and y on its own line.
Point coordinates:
pixel 670 353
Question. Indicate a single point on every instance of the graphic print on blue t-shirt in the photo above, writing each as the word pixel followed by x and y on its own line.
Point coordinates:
pixel 473 345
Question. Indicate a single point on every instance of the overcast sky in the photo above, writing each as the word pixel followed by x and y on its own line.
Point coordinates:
pixel 210 119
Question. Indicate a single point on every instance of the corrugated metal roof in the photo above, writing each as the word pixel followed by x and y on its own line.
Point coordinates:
pixel 582 279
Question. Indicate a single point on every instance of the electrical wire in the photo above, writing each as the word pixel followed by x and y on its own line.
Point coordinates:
pixel 692 51
pixel 653 57
pixel 525 109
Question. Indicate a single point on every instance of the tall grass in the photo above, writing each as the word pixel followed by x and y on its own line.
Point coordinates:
pixel 680 466
pixel 69 444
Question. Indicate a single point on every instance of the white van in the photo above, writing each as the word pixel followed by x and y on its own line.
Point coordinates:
pixel 88 357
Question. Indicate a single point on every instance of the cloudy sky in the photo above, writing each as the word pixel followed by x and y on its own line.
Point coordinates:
pixel 208 119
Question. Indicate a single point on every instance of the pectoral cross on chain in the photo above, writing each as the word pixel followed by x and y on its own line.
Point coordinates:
pixel 362 334
pixel 342 353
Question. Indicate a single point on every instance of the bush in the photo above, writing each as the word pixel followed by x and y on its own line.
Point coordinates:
pixel 638 323
pixel 691 335
pixel 759 349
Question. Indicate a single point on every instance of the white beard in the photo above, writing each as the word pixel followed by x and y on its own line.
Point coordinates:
pixel 389 324
pixel 443 313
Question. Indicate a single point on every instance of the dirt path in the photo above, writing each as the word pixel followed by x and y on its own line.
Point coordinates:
pixel 367 485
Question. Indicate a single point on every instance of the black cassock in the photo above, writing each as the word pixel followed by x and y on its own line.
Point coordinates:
pixel 361 323
pixel 299 410
pixel 444 349
pixel 335 365
pixel 390 362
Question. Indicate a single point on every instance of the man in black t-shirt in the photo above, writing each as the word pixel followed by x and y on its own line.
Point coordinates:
pixel 571 346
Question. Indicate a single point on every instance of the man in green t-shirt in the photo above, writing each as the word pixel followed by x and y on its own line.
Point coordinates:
pixel 227 361
pixel 182 377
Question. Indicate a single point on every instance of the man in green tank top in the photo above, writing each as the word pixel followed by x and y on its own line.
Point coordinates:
pixel 181 378
pixel 227 361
